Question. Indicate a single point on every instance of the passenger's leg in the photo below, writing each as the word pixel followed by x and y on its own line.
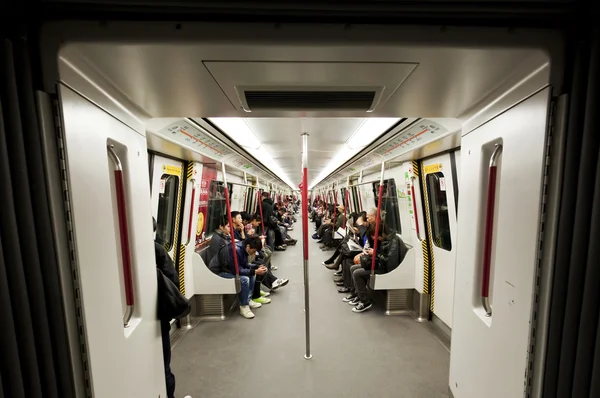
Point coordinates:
pixel 361 277
pixel 346 265
pixel 256 289
pixel 165 327
pixel 353 268
pixel 331 259
pixel 245 291
pixel 270 237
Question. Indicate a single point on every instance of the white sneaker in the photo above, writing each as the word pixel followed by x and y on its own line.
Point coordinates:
pixel 245 312
pixel 279 283
pixel 254 304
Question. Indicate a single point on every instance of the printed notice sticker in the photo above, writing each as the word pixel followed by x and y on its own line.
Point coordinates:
pixel 442 184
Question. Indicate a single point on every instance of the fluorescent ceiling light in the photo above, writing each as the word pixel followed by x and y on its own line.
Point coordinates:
pixel 239 130
pixel 368 130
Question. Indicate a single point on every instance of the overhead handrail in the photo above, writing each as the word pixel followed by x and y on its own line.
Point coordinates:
pixel 231 230
pixel 191 218
pixel 124 234
pixel 377 222
pixel 489 230
pixel 414 202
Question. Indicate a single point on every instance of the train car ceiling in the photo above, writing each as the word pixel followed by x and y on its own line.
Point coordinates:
pixel 328 88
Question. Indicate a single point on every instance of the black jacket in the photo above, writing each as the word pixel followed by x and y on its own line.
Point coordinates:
pixel 217 241
pixel 393 250
pixel 267 213
pixel 170 303
pixel 165 264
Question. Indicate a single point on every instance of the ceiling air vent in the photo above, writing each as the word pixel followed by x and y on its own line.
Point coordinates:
pixel 310 99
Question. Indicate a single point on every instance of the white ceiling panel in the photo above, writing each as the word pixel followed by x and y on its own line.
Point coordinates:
pixel 420 73
pixel 282 139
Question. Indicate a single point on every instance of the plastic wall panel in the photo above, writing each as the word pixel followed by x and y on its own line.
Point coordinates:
pixel 489 354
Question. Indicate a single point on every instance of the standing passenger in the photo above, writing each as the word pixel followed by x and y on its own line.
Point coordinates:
pixel 165 264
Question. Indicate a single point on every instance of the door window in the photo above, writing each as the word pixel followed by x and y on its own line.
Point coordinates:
pixel 438 210
pixel 389 204
pixel 167 210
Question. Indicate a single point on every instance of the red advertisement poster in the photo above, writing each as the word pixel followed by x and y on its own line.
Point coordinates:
pixel 208 174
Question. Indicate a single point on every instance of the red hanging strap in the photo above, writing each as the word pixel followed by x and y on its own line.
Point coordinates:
pixel 345 205
pixel 412 191
pixel 231 232
pixel 377 222
pixel 191 218
pixel 262 221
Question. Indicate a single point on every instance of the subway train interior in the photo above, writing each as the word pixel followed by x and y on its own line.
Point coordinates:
pixel 441 179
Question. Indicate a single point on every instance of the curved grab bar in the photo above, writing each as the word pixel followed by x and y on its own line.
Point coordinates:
pixel 414 202
pixel 124 234
pixel 189 234
pixel 489 229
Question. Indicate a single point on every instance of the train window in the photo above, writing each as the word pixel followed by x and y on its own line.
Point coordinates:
pixel 438 209
pixel 355 199
pixel 389 204
pixel 216 206
pixel 249 197
pixel 167 210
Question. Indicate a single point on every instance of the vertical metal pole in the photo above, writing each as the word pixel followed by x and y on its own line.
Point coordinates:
pixel 231 231
pixel 307 355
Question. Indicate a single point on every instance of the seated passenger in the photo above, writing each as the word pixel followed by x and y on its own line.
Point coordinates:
pixel 219 239
pixel 247 271
pixel 273 234
pixel 353 219
pixel 343 277
pixel 391 250
pixel 238 226
pixel 328 239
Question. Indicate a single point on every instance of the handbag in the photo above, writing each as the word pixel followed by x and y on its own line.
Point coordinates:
pixel 171 304
pixel 365 262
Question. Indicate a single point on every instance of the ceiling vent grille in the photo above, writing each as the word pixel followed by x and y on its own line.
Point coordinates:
pixel 310 100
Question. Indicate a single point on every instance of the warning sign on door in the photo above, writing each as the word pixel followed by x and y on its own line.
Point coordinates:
pixel 442 184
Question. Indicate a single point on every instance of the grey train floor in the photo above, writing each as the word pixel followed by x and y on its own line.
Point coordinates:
pixel 354 355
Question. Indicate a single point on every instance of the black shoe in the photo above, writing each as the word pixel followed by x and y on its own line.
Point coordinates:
pixel 349 298
pixel 354 302
pixel 338 273
pixel 362 307
pixel 327 262
pixel 344 290
pixel 339 283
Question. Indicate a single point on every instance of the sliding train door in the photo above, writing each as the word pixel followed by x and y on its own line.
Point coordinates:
pixel 106 194
pixel 502 187
pixel 441 199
